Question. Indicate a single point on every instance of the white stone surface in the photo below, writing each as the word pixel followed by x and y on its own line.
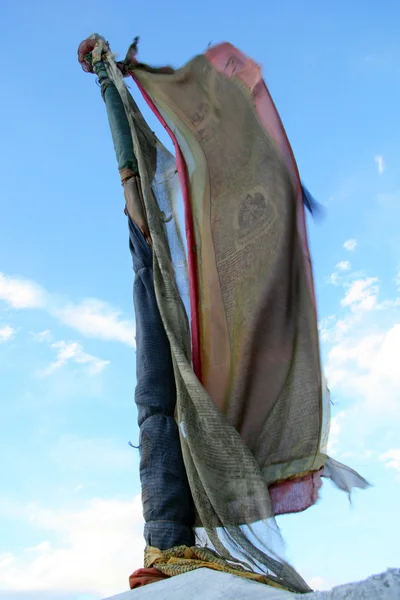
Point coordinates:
pixel 206 584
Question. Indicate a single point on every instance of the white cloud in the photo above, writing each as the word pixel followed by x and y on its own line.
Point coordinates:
pixel 380 164
pixel 318 583
pixel 73 352
pixel 334 278
pixel 349 354
pixel 337 277
pixel 325 327
pixel 361 366
pixel 366 367
pixel 95 318
pixel 334 329
pixel 334 433
pixel 94 549
pixel 6 560
pixel 21 293
pixel 344 265
pixel 350 245
pixel 392 459
pixel 361 297
pixel 42 547
pixel 362 294
pixel 90 317
pixel 42 336
pixel 6 333
pixel 362 358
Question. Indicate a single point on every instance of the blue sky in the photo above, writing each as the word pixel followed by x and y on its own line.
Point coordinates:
pixel 70 515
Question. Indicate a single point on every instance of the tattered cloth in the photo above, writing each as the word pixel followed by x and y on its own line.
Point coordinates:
pixel 250 404
pixel 253 318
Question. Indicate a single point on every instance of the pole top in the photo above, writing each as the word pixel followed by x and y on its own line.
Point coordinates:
pixel 92 49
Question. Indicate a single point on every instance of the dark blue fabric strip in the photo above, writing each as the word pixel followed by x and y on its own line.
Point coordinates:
pixel 167 502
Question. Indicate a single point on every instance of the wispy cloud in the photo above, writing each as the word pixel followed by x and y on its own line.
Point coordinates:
pixel 92 549
pixel 42 336
pixel 6 333
pixel 324 327
pixel 380 164
pixel 6 560
pixel 95 318
pixel 363 350
pixel 361 297
pixel 90 317
pixel 21 293
pixel 334 329
pixel 365 367
pixel 392 459
pixel 343 265
pixel 42 547
pixel 362 294
pixel 350 245
pixel 73 353
pixel 319 583
pixel 334 433
pixel 334 278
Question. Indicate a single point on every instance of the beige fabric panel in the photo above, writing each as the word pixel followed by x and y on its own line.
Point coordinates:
pixel 255 300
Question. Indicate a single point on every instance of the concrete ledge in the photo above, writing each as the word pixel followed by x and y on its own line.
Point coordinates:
pixel 206 584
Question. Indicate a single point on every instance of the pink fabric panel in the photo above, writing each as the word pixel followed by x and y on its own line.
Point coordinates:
pixel 295 495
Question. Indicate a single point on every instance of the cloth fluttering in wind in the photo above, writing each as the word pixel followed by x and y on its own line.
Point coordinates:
pixel 252 407
pixel 254 326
